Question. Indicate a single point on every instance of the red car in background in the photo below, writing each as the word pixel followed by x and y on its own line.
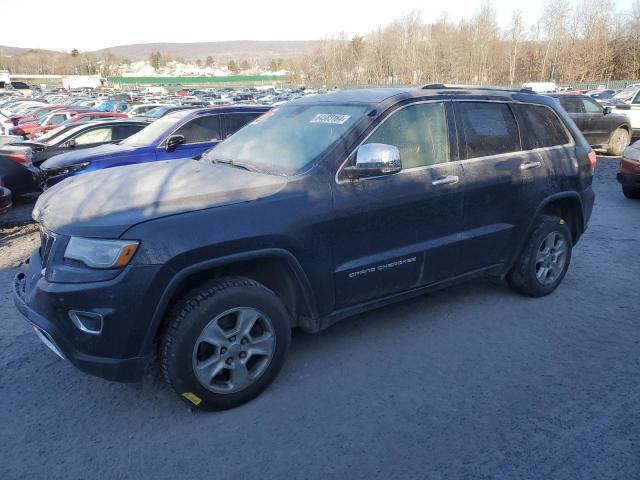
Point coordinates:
pixel 629 171
pixel 79 117
pixel 38 114
pixel 52 120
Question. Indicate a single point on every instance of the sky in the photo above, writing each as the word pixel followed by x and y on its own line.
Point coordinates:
pixel 87 25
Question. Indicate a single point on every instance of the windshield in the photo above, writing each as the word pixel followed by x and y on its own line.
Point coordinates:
pixel 625 95
pixel 150 134
pixel 285 140
pixel 156 112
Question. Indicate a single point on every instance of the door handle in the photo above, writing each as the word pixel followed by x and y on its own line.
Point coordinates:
pixel 530 165
pixel 448 180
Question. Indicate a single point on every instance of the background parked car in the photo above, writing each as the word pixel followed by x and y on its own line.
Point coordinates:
pixel 19 162
pixel 629 171
pixel 5 198
pixel 603 129
pixel 182 134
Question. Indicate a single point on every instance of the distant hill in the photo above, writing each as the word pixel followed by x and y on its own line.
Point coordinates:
pixel 11 51
pixel 241 49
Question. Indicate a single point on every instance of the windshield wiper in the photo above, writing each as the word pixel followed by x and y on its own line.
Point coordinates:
pixel 228 161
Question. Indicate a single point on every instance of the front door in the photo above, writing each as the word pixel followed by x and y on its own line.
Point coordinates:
pixel 397 232
pixel 200 134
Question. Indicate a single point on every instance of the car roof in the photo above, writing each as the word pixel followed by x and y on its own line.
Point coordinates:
pixel 384 96
pixel 218 109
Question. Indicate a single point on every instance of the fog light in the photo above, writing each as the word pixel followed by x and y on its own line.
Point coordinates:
pixel 87 322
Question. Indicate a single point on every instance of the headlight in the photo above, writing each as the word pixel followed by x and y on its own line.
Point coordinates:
pixel 96 253
pixel 54 172
pixel 632 153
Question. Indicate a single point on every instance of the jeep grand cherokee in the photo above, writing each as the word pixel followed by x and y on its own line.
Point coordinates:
pixel 322 208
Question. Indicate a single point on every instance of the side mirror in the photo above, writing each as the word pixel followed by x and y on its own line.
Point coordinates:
pixel 173 142
pixel 373 160
pixel 607 110
pixel 70 143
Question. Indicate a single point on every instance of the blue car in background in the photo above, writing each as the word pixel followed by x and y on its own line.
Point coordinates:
pixel 182 134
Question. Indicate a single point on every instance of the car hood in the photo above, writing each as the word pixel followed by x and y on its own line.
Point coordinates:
pixel 108 202
pixel 108 150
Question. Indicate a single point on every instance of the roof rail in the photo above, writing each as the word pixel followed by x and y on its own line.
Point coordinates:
pixel 439 86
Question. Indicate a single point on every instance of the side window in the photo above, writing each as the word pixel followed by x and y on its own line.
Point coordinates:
pixel 636 99
pixel 99 135
pixel 124 131
pixel 540 127
pixel 572 104
pixel 591 106
pixel 57 119
pixel 487 129
pixel 235 121
pixel 201 129
pixel 419 131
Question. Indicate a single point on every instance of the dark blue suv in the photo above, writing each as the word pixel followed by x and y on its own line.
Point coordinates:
pixel 183 134
pixel 323 208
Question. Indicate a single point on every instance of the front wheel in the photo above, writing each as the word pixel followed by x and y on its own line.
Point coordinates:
pixel 544 260
pixel 225 343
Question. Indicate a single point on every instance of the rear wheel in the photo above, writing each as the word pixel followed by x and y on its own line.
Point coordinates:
pixel 225 343
pixel 631 192
pixel 618 142
pixel 544 260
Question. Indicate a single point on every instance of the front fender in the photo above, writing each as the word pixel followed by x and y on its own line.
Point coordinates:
pixel 178 277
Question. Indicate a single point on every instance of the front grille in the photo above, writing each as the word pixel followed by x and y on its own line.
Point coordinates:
pixel 47 239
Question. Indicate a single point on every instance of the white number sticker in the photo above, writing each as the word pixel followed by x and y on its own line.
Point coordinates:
pixel 330 118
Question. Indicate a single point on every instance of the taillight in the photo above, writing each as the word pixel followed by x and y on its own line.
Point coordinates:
pixel 21 158
pixel 592 160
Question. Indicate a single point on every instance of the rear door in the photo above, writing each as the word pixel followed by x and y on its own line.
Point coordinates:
pixel 546 139
pixel 495 168
pixel 574 106
pixel 393 233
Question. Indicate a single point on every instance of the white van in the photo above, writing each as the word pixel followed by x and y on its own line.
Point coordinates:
pixel 541 87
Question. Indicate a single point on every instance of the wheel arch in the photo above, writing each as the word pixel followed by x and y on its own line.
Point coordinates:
pixel 277 269
pixel 566 205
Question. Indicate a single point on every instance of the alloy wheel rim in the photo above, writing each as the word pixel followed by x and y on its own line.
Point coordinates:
pixel 233 350
pixel 551 258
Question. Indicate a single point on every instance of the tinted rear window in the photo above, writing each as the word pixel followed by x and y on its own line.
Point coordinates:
pixel 487 128
pixel 541 127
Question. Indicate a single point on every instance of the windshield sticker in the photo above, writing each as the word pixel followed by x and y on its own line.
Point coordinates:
pixel 330 118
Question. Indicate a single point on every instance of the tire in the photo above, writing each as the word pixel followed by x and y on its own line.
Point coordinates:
pixel 528 276
pixel 618 142
pixel 630 192
pixel 212 327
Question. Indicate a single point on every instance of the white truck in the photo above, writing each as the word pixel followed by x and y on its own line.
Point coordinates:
pixel 627 101
pixel 70 82
pixel 541 87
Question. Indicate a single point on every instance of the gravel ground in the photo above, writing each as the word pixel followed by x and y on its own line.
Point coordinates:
pixel 471 382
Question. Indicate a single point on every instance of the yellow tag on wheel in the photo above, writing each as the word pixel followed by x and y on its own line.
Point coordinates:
pixel 192 397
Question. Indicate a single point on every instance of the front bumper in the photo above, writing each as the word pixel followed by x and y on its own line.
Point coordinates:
pixel 628 179
pixel 117 353
pixel 629 173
